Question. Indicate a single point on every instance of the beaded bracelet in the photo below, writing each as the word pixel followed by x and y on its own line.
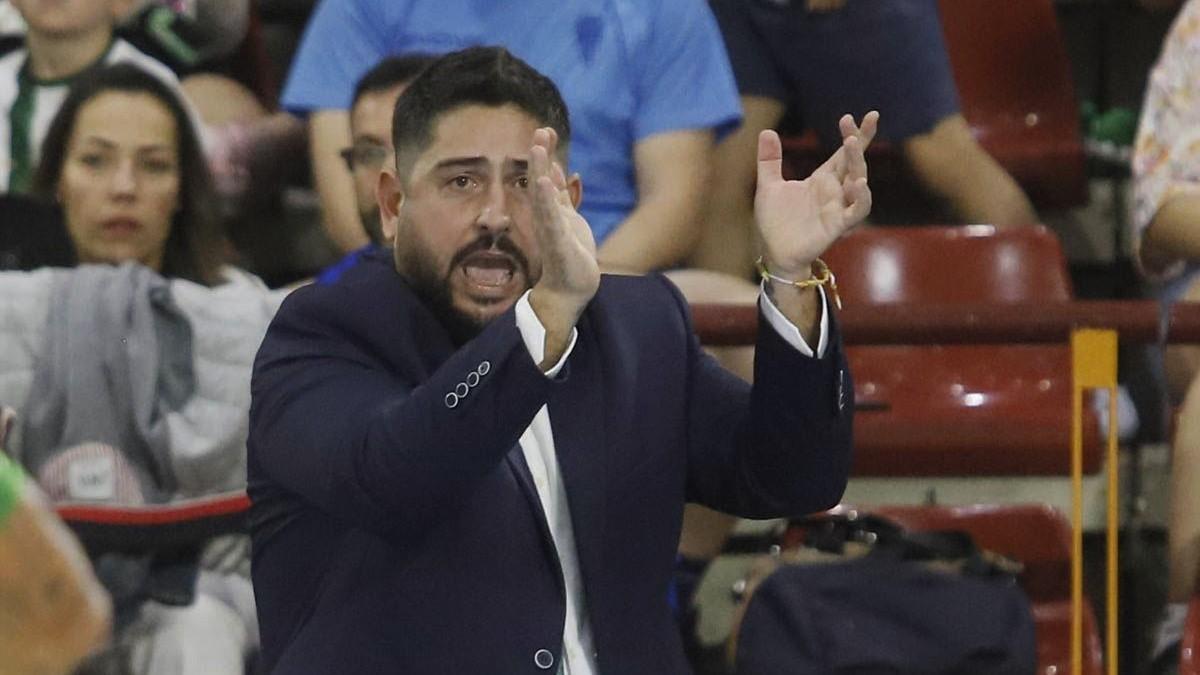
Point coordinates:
pixel 12 480
pixel 823 276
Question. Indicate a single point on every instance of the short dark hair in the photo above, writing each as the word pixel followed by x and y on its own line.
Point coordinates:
pixel 390 72
pixel 487 76
pixel 193 248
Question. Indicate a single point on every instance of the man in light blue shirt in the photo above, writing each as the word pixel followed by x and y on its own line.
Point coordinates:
pixel 649 86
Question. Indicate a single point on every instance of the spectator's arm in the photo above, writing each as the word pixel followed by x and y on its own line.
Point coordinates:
pixel 342 41
pixel 329 132
pixel 1172 234
pixel 673 171
pixel 686 100
pixel 53 612
pixel 1166 159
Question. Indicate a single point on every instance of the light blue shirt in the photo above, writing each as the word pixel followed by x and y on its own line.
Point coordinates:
pixel 628 69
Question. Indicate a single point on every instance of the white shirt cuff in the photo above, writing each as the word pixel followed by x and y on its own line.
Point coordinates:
pixel 533 333
pixel 786 329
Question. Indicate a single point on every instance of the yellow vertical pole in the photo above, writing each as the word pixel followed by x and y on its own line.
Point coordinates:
pixel 1094 365
pixel 1076 526
pixel 1114 501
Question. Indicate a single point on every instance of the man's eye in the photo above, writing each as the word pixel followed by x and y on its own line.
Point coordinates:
pixel 92 160
pixel 461 181
pixel 523 182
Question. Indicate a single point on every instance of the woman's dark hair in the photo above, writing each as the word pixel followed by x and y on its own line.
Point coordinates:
pixel 192 250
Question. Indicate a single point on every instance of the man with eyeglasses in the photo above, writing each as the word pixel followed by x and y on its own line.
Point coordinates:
pixel 371 138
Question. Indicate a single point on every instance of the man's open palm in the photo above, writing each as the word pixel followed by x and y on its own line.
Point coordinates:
pixel 568 250
pixel 799 219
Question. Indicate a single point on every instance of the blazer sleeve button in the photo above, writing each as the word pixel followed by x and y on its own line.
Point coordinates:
pixel 543 659
pixel 451 400
pixel 484 368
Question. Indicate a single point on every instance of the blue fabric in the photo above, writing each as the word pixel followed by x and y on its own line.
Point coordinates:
pixel 869 55
pixel 628 69
pixel 332 273
pixel 396 533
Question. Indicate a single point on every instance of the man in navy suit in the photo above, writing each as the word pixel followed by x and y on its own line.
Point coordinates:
pixel 473 457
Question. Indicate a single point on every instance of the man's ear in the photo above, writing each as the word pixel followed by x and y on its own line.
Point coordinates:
pixel 389 197
pixel 575 189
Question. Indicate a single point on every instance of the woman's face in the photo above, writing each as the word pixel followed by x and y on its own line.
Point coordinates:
pixel 119 185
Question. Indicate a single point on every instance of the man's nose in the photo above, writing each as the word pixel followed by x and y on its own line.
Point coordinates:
pixel 494 217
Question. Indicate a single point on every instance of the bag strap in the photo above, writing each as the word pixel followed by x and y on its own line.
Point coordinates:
pixel 888 539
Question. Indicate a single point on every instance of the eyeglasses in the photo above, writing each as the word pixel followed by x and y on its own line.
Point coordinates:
pixel 364 156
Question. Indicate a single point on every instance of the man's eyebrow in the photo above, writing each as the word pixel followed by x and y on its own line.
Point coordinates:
pixel 460 163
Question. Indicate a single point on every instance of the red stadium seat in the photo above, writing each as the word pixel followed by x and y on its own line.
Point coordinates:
pixel 1039 537
pixel 958 410
pixel 1189 659
pixel 104 527
pixel 1014 82
pixel 1015 91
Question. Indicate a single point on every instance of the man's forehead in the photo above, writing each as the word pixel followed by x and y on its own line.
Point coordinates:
pixel 373 109
pixel 496 135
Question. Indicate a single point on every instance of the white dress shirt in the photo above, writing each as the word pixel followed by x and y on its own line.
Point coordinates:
pixel 537 444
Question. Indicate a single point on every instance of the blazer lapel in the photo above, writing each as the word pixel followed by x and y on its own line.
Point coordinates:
pixel 577 414
pixel 520 468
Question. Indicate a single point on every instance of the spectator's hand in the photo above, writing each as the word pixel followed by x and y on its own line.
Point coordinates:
pixel 824 5
pixel 798 220
pixel 570 272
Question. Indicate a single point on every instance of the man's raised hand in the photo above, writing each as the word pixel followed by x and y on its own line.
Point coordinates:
pixel 570 272
pixel 799 219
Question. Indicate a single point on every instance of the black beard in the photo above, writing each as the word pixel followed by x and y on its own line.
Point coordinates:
pixel 434 289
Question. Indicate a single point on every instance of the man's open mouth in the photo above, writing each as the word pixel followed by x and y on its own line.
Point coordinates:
pixel 488 269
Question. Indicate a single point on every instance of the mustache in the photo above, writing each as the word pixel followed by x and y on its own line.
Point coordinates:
pixel 500 243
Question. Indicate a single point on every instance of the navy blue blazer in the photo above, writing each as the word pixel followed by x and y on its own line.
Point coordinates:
pixel 396 527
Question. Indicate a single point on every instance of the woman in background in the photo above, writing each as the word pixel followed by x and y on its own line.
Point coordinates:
pixel 125 164
pixel 142 369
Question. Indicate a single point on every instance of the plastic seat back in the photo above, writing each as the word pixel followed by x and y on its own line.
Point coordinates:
pixel 938 264
pixel 1016 92
pixel 954 410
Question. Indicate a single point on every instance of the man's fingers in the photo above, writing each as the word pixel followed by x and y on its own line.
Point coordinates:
pixel 870 125
pixel 855 161
pixel 770 158
pixel 858 197
pixel 545 209
pixel 539 156
pixel 865 132
pixel 847 126
pixel 557 175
